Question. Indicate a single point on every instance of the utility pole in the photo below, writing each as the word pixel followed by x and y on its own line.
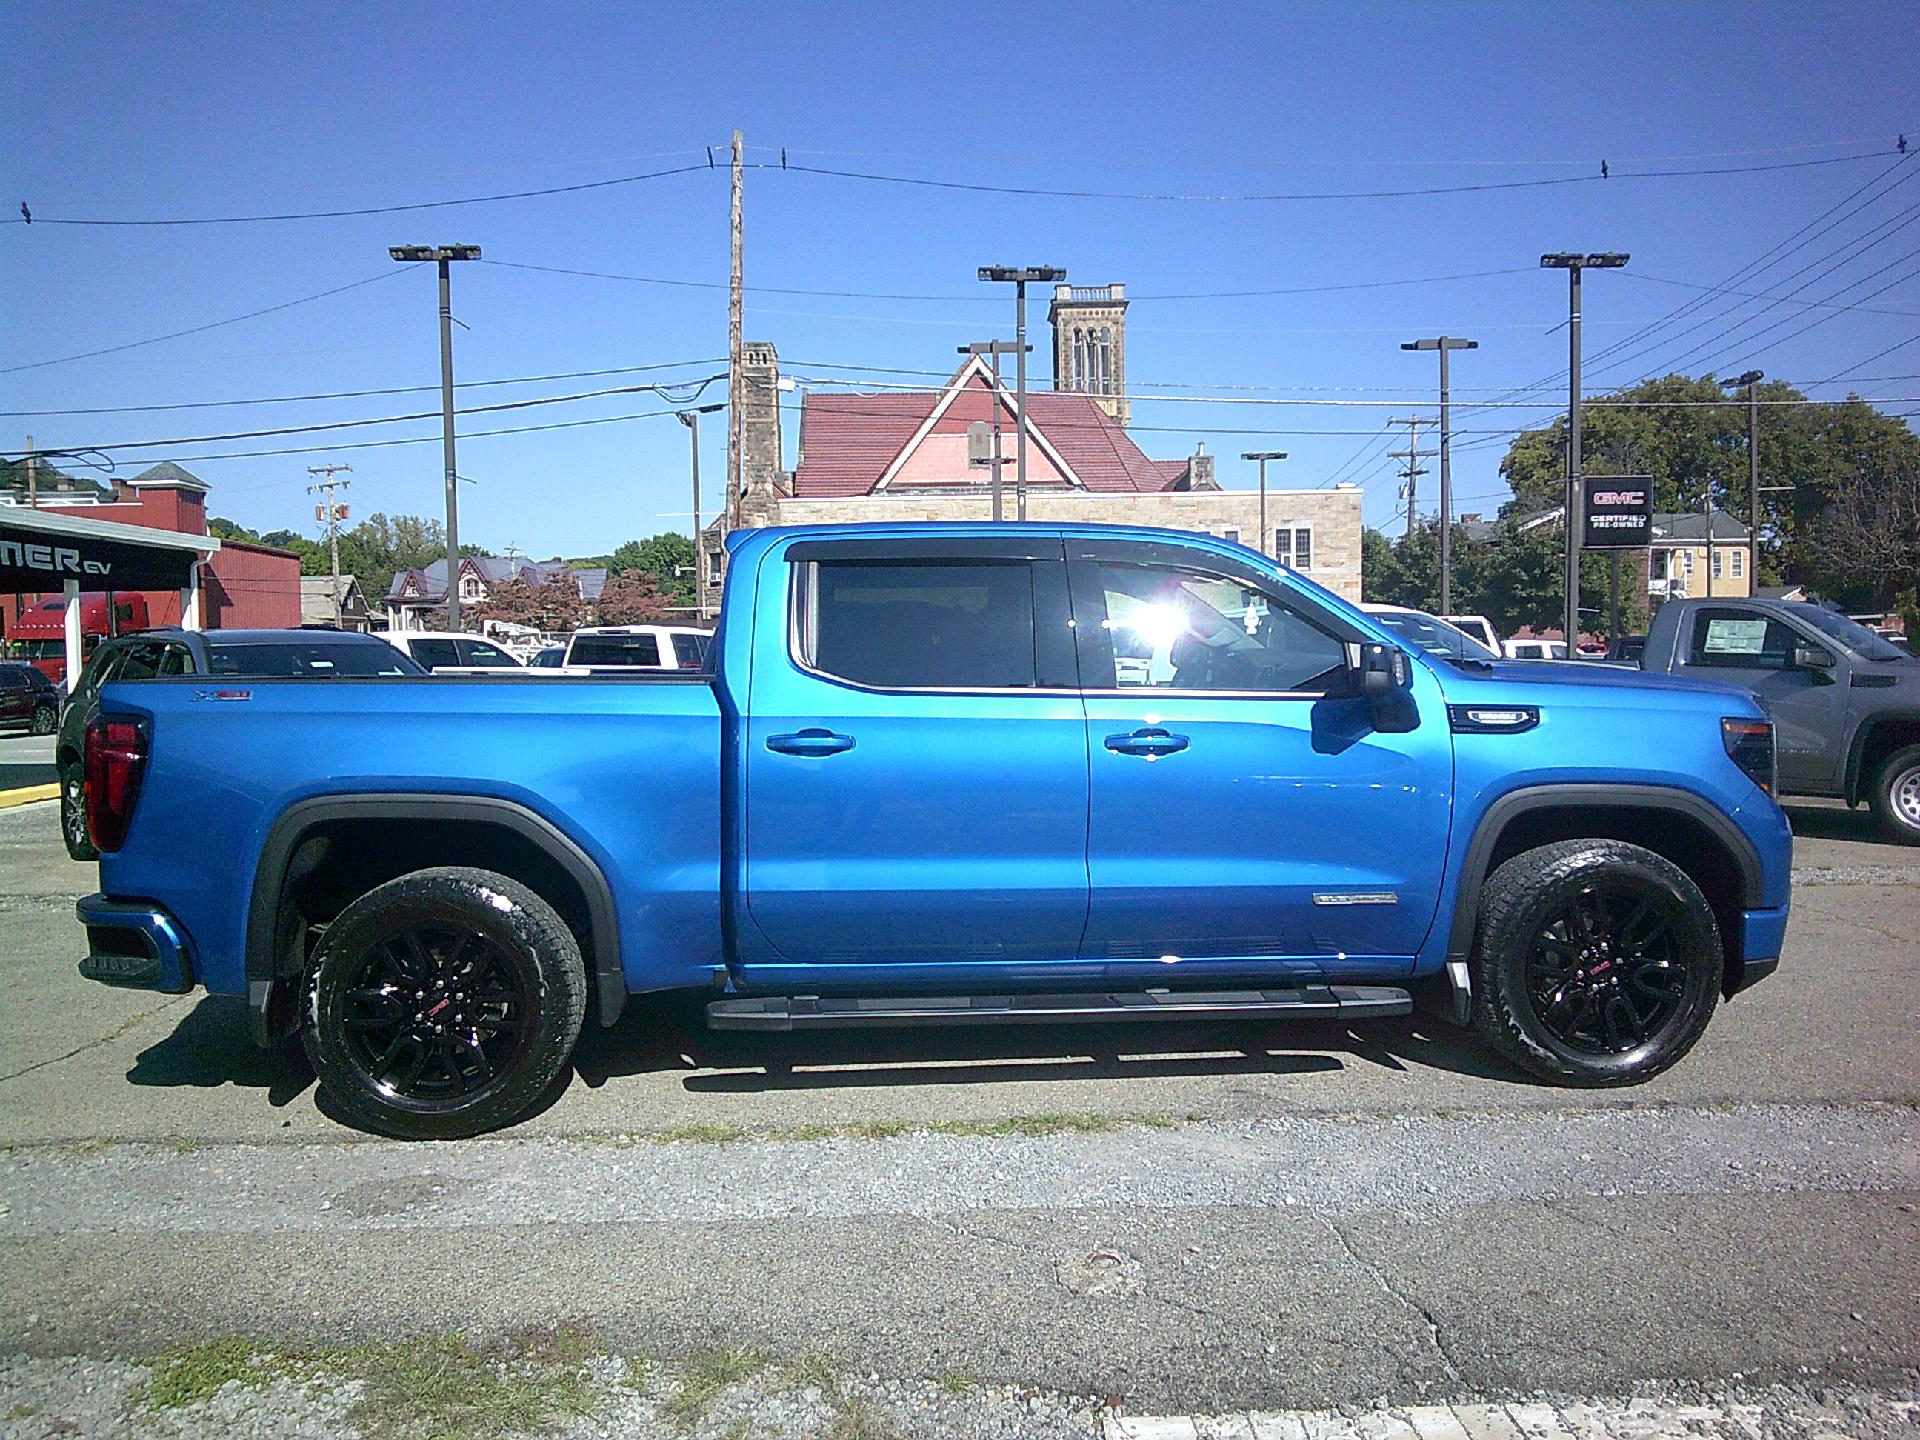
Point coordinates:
pixel 1445 344
pixel 1413 469
pixel 1573 264
pixel 33 475
pixel 736 309
pixel 332 512
pixel 691 419
pixel 1750 381
pixel 1263 456
pixel 994 349
pixel 443 255
pixel 1021 278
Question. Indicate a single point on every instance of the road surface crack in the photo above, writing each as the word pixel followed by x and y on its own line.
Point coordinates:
pixel 97 1041
pixel 1394 1292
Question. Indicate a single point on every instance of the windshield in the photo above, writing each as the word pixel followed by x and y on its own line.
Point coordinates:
pixel 1436 637
pixel 1850 633
pixel 287 658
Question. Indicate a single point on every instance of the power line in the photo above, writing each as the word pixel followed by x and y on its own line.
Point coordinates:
pixel 365 210
pixel 198 329
pixel 980 187
pixel 1763 295
pixel 361 394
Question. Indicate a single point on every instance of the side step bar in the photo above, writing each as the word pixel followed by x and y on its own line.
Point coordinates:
pixel 834 1012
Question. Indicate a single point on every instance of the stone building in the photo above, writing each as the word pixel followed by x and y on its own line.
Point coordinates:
pixel 902 456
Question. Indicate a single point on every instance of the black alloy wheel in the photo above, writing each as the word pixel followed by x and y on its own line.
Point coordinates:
pixel 1596 962
pixel 1607 972
pixel 442 1004
pixel 437 1014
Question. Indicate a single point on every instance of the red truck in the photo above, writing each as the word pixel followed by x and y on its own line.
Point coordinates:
pixel 39 636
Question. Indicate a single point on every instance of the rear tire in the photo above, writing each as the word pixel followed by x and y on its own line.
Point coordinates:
pixel 1896 795
pixel 73 813
pixel 443 1004
pixel 1597 963
pixel 46 720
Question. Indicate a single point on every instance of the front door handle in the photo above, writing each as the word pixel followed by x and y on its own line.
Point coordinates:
pixel 810 742
pixel 1149 742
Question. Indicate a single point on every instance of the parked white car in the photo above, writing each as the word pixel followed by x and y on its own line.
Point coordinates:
pixel 1430 632
pixel 1479 627
pixel 450 651
pixel 638 647
pixel 1536 649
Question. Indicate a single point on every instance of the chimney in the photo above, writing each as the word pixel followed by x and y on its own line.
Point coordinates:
pixel 760 462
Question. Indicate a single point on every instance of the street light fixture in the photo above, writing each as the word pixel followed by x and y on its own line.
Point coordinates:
pixel 1263 456
pixel 443 255
pixel 1445 344
pixel 1020 277
pixel 1573 263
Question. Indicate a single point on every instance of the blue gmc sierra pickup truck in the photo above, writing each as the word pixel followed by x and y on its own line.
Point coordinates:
pixel 943 774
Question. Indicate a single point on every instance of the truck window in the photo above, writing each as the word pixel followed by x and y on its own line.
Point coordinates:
pixel 1739 640
pixel 434 653
pixel 1185 630
pixel 142 662
pixel 485 652
pixel 615 650
pixel 909 625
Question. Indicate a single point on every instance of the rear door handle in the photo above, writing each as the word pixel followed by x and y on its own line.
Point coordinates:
pixel 1149 742
pixel 810 742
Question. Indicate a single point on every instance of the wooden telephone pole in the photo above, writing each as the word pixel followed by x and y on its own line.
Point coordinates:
pixel 736 397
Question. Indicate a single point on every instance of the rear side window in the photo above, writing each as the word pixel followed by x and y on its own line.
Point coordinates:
pixel 615 650
pixel 434 653
pixel 313 658
pixel 920 626
pixel 485 652
pixel 1740 640
pixel 142 662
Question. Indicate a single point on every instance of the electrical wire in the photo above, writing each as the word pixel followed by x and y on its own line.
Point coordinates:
pixel 364 210
pixel 1762 295
pixel 199 329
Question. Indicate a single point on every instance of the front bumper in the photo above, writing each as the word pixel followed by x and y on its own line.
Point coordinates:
pixel 135 945
pixel 1763 935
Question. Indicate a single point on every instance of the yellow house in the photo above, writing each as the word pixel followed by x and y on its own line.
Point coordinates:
pixel 1681 566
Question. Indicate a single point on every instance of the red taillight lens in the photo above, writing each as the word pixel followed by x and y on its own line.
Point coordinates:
pixel 1750 746
pixel 116 755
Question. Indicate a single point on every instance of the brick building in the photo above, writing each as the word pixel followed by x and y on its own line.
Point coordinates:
pixel 902 456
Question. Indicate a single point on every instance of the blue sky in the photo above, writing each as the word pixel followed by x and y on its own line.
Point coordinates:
pixel 193 109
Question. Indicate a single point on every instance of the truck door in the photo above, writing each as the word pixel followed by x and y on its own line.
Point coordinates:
pixel 1243 809
pixel 1745 646
pixel 916 759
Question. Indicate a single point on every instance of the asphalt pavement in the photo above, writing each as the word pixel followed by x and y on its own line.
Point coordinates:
pixel 25 760
pixel 1186 1220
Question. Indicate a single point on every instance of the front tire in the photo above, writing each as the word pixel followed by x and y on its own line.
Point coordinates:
pixel 1597 963
pixel 443 1004
pixel 1896 795
pixel 73 813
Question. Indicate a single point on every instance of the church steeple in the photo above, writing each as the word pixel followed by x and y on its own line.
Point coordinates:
pixel 1090 344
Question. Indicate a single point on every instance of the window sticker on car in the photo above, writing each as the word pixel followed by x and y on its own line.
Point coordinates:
pixel 1735 637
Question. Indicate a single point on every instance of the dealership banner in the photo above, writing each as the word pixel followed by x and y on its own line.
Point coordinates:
pixel 1619 512
pixel 34 561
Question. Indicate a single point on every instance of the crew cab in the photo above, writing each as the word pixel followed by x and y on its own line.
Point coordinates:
pixel 944 774
pixel 1845 702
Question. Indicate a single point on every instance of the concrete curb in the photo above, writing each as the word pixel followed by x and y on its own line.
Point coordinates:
pixel 28 795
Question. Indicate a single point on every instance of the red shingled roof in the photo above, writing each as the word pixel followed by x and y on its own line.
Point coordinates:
pixel 848 442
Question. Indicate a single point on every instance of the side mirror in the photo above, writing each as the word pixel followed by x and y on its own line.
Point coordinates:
pixel 1814 659
pixel 1385 681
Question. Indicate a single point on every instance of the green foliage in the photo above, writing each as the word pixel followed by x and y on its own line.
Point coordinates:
pixel 633 599
pixel 188 1374
pixel 667 560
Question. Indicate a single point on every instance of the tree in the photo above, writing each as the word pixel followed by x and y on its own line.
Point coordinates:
pixel 554 605
pixel 668 560
pixel 1863 546
pixel 1694 446
pixel 632 599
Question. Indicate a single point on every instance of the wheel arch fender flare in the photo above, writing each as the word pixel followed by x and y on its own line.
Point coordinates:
pixel 297 820
pixel 1855 778
pixel 1502 812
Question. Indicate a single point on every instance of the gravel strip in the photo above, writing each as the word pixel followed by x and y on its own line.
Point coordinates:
pixel 1856 874
pixel 1415 1166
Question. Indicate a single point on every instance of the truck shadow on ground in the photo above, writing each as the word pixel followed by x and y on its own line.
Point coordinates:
pixel 211 1047
pixel 664 1035
pixel 1832 822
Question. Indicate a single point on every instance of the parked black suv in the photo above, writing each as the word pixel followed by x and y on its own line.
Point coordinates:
pixel 28 699
pixel 236 654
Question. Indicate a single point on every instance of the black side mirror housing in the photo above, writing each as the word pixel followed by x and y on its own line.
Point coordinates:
pixel 1386 680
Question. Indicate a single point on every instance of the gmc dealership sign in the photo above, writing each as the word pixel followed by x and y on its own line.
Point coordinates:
pixel 1619 512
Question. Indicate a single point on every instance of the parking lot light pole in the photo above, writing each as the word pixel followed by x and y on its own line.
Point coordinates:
pixel 443 255
pixel 1021 277
pixel 1263 456
pixel 1445 344
pixel 1573 264
pixel 1750 382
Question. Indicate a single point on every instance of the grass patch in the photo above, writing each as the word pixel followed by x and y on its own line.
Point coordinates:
pixel 955 1382
pixel 861 1421
pixel 188 1374
pixel 719 1132
pixel 704 1375
pixel 877 1129
pixel 815 1372
pixel 1066 1123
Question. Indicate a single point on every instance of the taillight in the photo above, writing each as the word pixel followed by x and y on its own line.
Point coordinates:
pixel 1749 744
pixel 116 754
